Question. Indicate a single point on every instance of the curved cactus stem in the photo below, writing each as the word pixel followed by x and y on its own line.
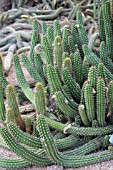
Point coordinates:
pixel 60 158
pixel 31 157
pixel 13 163
pixel 21 79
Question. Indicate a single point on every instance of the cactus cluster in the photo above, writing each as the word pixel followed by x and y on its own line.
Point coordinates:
pixel 73 95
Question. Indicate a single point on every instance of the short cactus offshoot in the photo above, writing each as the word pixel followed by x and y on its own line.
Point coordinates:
pixel 73 95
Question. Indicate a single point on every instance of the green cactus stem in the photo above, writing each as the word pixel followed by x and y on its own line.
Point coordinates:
pixel 40 99
pixel 83 115
pixel 100 98
pixel 92 76
pixel 65 160
pixel 13 104
pixel 58 51
pixel 89 102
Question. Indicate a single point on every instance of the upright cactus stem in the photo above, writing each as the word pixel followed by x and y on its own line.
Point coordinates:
pixel 57 31
pixel 101 102
pixel 58 51
pixel 77 64
pixel 35 40
pixel 40 99
pixel 83 115
pixel 92 76
pixel 89 101
pixel 12 103
pixel 110 97
pixel 81 29
pixel 68 64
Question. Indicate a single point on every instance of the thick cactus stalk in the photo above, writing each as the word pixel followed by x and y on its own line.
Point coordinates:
pixel 20 150
pixel 40 99
pixel 68 64
pixel 65 40
pixel 2 105
pixel 21 79
pixel 83 115
pixel 10 116
pixel 94 60
pixel 71 44
pixel 81 30
pixel 110 97
pixel 57 31
pixel 89 102
pixel 53 79
pixel 101 72
pixel 47 50
pixel 65 160
pixel 92 76
pixel 28 125
pixel 12 103
pixel 85 67
pixel 101 106
pixel 58 51
pixel 108 27
pixel 31 69
pixel 77 64
pixel 83 131
pixel 35 40
pixel 50 35
pixel 64 106
pixel 71 83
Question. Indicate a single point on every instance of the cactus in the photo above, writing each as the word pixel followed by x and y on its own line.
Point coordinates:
pixel 77 64
pixel 47 50
pixel 110 97
pixel 92 76
pixel 12 103
pixel 10 116
pixel 56 156
pixel 101 106
pixel 83 131
pixel 40 99
pixel 108 27
pixel 71 44
pixel 58 50
pixel 50 36
pixel 21 79
pixel 81 30
pixel 89 102
pixel 57 31
pixel 31 69
pixel 68 64
pixel 65 40
pixel 28 125
pixel 20 150
pixel 83 115
pixel 73 85
pixel 35 40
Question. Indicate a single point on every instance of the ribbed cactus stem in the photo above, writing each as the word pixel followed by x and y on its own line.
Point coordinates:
pixel 83 115
pixel 89 101
pixel 92 76
pixel 77 64
pixel 68 64
pixel 40 99
pixel 10 116
pixel 58 50
pixel 110 97
pixel 81 29
pixel 57 31
pixel 13 104
pixel 101 102
pixel 28 125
